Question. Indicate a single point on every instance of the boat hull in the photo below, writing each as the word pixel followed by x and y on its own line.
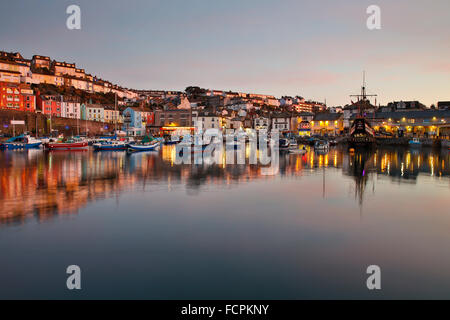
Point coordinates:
pixel 20 146
pixel 67 146
pixel 138 148
pixel 110 147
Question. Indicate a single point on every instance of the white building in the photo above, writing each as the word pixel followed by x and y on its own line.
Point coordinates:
pixel 95 112
pixel 281 122
pixel 261 123
pixel 204 121
pixel 71 110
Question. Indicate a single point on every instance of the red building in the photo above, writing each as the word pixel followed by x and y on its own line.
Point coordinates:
pixel 15 96
pixel 49 104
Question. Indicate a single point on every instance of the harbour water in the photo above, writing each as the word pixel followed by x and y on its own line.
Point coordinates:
pixel 140 226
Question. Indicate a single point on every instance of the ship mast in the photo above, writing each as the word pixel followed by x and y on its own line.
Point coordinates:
pixel 362 98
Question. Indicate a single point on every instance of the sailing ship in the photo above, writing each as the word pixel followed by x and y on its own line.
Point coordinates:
pixel 361 132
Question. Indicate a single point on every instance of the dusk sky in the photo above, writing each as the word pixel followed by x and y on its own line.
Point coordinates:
pixel 316 49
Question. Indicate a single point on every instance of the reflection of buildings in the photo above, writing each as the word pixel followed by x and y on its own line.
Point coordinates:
pixel 44 184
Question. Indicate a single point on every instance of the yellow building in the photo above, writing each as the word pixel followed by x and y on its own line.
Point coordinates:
pixel 331 124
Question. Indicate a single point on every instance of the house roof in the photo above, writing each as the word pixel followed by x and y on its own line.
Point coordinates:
pixel 328 116
pixel 409 114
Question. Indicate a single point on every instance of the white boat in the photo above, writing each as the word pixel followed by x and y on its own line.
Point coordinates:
pixel 322 145
pixel 415 142
pixel 110 145
pixel 293 142
pixel 152 146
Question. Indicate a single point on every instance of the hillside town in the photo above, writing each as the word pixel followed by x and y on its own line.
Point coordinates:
pixel 63 93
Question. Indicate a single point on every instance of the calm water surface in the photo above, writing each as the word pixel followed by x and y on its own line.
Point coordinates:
pixel 140 226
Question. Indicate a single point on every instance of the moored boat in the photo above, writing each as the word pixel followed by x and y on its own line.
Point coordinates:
pixel 322 145
pixel 21 142
pixel 110 146
pixel 415 142
pixel 68 145
pixel 362 134
pixel 152 146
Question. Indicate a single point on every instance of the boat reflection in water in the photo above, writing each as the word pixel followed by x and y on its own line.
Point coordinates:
pixel 38 184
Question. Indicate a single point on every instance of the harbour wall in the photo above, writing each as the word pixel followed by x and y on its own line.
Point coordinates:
pixel 44 124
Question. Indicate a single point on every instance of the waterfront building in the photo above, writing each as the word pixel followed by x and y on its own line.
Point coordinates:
pixel 70 108
pixel 132 122
pixel 205 120
pixel 49 104
pixel 327 124
pixel 111 115
pixel 173 120
pixel 281 122
pixel 302 123
pixel 398 106
pixel 261 123
pixel 425 123
pixel 95 112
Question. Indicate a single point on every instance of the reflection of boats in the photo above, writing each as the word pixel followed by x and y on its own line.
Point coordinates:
pixel 110 146
pixel 415 142
pixel 70 144
pixel 21 142
pixel 298 151
pixel 284 144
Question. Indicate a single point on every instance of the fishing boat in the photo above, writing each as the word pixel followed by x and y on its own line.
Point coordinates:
pixel 415 142
pixel 143 147
pixel 110 146
pixel 147 144
pixel 71 144
pixel 21 142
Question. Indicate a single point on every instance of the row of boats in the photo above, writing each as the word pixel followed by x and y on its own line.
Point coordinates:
pixel 149 143
pixel 24 142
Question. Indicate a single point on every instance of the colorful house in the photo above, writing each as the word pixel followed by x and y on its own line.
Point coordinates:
pixel 132 122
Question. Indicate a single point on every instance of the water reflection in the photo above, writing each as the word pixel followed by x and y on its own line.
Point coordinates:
pixel 38 184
